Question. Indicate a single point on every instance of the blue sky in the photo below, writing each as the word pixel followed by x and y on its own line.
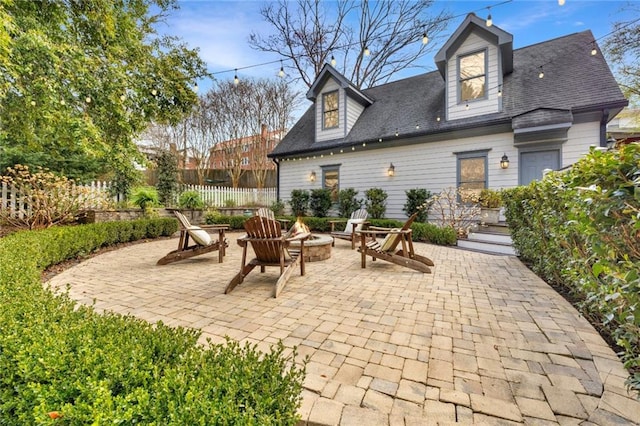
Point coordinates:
pixel 220 28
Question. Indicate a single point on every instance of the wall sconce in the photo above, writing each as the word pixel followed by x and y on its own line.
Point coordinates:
pixel 504 162
pixel 391 171
pixel 312 177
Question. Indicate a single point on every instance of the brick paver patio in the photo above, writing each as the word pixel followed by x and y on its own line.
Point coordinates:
pixel 481 340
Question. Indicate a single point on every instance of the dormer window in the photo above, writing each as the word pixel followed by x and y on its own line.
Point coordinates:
pixel 472 76
pixel 330 110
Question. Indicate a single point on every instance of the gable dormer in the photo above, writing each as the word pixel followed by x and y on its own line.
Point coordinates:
pixel 338 104
pixel 473 62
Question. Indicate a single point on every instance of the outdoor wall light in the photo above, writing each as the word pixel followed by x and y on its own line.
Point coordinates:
pixel 391 171
pixel 504 162
pixel 312 177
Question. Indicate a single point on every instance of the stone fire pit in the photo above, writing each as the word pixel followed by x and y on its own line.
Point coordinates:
pixel 316 248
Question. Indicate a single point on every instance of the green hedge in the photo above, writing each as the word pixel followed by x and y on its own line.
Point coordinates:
pixel 423 232
pixel 581 229
pixel 58 358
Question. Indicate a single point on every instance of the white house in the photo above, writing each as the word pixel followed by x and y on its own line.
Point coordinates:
pixel 540 107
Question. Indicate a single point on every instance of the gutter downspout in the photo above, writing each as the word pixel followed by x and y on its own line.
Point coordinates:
pixel 603 127
pixel 277 163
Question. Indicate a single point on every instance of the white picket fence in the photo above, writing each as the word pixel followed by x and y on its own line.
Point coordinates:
pixel 95 195
pixel 219 196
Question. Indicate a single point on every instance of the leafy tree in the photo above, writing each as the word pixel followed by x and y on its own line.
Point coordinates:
pixel 308 33
pixel 81 79
pixel 623 50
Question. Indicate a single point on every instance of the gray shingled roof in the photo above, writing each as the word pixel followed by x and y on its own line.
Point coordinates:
pixel 574 81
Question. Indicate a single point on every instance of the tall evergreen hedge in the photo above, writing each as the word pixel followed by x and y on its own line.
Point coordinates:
pixel 581 229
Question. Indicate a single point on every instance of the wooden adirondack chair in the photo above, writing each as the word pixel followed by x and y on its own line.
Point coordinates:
pixel 268 213
pixel 386 249
pixel 271 249
pixel 357 221
pixel 203 241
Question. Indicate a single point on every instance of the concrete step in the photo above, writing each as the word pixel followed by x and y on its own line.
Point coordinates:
pixel 496 228
pixel 490 237
pixel 487 247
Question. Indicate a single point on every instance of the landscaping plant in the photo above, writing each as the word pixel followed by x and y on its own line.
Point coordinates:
pixel 299 202
pixel 44 198
pixel 144 197
pixel 581 229
pixel 347 202
pixel 320 202
pixel 376 202
pixel 190 200
pixel 61 362
pixel 417 203
pixel 167 185
pixel 455 208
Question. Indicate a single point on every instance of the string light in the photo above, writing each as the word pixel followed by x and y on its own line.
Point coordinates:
pixel 466 106
pixel 87 99
pixel 500 91
pixel 123 97
pixel 367 52
pixel 397 132
pixel 438 118
pixel 425 39
pixel 195 87
pixel 281 72
pixel 154 92
pixel 62 102
pixel 541 73
pixel 236 80
pixel 489 20
pixel 594 51
pixel 333 61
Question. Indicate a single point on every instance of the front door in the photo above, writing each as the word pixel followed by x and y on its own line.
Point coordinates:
pixel 532 164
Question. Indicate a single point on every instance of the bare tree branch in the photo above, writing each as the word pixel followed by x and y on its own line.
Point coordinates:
pixel 307 34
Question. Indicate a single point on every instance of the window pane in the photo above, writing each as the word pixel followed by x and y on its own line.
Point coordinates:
pixel 330 109
pixel 331 119
pixel 473 176
pixel 331 180
pixel 472 65
pixel 472 89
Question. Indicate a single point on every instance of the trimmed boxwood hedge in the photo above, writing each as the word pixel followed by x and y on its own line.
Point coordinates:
pixel 59 359
pixel 423 232
pixel 581 229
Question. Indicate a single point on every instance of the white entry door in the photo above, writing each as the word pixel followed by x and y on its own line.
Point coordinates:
pixel 532 163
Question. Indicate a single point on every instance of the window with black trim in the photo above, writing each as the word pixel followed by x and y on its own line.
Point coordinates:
pixel 472 171
pixel 331 180
pixel 330 117
pixel 472 72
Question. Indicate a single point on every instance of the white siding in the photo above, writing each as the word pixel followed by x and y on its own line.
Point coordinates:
pixel 580 138
pixel 430 165
pixel 492 104
pixel 337 132
pixel 354 109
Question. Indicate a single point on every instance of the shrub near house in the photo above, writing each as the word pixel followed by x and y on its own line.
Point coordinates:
pixel 581 229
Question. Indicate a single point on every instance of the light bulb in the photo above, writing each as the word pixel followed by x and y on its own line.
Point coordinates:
pixel 123 97
pixel 541 74
pixel 62 102
pixel 87 100
pixel 196 88
pixel 425 39
pixel 489 21
pixel 154 92
pixel 236 80
pixel 466 107
pixel 333 61
pixel 594 51
pixel 367 52
pixel 281 72
pixel 561 2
